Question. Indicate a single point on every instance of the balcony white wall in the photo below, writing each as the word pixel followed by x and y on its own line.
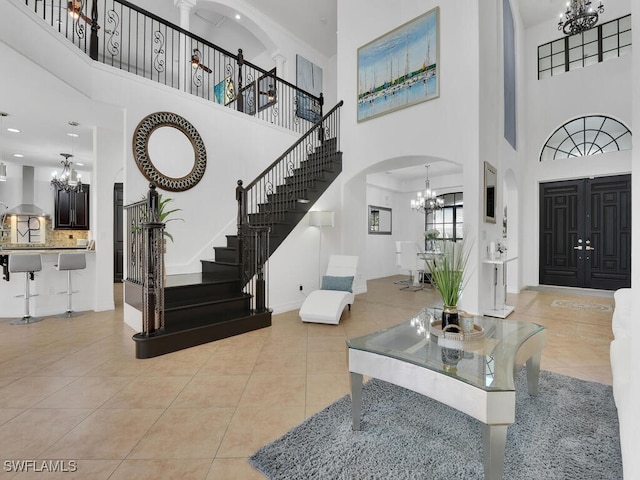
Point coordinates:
pixel 601 89
pixel 60 83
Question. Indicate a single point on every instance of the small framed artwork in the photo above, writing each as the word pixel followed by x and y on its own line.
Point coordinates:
pixel 309 79
pixel 490 192
pixel 225 92
pixel 248 95
pixel 267 92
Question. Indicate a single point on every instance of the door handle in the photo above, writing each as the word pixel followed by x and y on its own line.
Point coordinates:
pixel 589 247
pixel 579 247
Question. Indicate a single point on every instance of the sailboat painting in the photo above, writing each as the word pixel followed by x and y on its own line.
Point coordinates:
pixel 400 68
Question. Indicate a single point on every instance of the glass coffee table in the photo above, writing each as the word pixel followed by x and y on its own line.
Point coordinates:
pixel 475 377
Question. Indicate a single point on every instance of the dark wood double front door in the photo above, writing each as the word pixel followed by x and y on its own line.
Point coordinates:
pixel 585 233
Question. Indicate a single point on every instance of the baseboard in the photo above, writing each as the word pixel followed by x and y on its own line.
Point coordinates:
pixel 571 290
pixel 287 306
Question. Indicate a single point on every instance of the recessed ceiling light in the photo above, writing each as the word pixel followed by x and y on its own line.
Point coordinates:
pixel 74 135
pixel 238 16
pixel 18 155
pixel 80 164
pixel 13 130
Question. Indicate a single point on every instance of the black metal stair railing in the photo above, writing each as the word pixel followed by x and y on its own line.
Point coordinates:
pixel 135 215
pixel 283 187
pixel 122 35
pixel 145 255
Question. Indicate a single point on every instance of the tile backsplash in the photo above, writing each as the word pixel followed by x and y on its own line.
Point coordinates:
pixel 53 238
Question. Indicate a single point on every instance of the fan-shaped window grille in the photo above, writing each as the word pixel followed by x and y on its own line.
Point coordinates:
pixel 586 136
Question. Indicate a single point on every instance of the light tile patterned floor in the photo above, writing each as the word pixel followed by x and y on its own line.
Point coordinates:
pixel 72 389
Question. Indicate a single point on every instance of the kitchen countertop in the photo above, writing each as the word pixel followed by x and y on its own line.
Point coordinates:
pixel 8 250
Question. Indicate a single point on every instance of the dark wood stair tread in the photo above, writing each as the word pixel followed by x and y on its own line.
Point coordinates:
pixel 201 302
pixel 190 279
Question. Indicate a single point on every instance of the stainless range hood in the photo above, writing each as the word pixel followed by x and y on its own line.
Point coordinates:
pixel 27 207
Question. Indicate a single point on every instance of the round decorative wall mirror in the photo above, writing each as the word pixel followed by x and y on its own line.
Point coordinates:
pixel 168 170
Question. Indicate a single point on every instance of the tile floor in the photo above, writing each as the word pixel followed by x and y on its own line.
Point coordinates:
pixel 72 389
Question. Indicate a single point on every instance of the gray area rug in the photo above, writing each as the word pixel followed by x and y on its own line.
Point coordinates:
pixel 568 431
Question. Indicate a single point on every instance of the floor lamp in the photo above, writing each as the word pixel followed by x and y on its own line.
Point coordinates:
pixel 321 219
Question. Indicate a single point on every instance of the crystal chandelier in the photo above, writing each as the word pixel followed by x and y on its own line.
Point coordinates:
pixel 427 201
pixel 69 179
pixel 580 16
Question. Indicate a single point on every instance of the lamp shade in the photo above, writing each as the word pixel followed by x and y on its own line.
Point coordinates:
pixel 321 219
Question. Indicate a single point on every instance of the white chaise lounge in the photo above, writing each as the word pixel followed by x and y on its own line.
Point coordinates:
pixel 327 304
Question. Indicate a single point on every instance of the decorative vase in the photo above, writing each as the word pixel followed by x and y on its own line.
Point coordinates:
pixel 450 317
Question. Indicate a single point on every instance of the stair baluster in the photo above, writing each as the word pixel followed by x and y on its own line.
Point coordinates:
pixel 153 267
pixel 271 205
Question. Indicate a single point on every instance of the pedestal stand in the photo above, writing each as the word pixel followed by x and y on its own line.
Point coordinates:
pixel 504 310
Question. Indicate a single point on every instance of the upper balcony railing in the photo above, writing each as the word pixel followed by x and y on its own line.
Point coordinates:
pixel 120 34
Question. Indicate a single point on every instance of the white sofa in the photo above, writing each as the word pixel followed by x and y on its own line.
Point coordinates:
pixel 621 362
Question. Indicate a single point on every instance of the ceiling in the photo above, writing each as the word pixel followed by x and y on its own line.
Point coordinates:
pixel 314 21
pixel 41 143
pixel 534 12
pixel 409 177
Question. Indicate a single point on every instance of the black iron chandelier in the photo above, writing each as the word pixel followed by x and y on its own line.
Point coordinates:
pixel 69 179
pixel 580 16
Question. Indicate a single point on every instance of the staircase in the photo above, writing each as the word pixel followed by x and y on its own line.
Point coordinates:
pixel 224 298
pixel 228 296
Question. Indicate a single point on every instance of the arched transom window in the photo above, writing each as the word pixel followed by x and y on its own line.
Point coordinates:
pixel 586 136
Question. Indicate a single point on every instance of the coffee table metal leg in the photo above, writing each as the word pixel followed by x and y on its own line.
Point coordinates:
pixel 356 399
pixel 494 439
pixel 533 373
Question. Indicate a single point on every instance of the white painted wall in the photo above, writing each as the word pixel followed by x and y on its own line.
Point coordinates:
pixel 62 84
pixel 604 88
pixel 408 225
pixel 445 128
pixel 380 258
pixel 461 126
pixel 632 465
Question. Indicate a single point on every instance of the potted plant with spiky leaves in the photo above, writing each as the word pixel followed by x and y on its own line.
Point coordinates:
pixel 164 212
pixel 448 274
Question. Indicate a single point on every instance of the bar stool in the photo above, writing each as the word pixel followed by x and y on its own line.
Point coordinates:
pixel 26 263
pixel 66 263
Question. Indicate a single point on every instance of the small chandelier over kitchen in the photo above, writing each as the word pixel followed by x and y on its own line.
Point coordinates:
pixel 68 179
pixel 427 201
pixel 580 16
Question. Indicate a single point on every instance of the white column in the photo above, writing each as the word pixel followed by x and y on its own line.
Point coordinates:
pixel 185 7
pixel 279 60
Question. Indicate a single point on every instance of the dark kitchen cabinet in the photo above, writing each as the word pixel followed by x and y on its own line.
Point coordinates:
pixel 72 209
